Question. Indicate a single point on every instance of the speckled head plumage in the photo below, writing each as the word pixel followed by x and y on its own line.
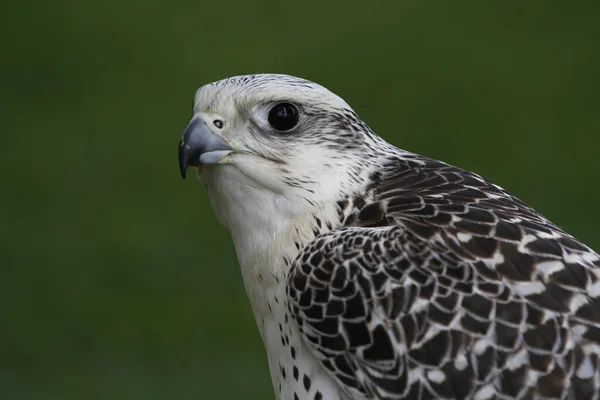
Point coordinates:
pixel 314 161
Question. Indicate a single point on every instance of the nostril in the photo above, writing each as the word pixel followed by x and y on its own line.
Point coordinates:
pixel 218 123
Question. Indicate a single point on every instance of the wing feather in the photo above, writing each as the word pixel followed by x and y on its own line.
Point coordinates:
pixel 443 285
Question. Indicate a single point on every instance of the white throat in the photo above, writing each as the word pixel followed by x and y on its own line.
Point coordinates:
pixel 267 228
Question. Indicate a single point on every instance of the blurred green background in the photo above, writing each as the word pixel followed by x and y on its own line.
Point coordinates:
pixel 116 282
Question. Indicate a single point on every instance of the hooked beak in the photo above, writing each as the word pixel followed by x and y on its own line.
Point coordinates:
pixel 199 146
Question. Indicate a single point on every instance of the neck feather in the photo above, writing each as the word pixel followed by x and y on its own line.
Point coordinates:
pixel 267 228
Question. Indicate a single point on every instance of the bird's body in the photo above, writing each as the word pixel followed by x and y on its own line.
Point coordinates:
pixel 375 273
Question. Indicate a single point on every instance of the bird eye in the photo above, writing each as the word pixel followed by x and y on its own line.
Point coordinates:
pixel 283 116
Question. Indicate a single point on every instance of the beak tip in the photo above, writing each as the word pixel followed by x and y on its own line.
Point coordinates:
pixel 183 168
pixel 183 163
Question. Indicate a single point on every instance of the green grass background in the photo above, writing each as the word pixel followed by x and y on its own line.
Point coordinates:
pixel 116 282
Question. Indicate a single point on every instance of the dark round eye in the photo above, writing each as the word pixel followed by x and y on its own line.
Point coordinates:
pixel 283 116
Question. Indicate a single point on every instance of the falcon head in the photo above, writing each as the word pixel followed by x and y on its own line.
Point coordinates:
pixel 276 141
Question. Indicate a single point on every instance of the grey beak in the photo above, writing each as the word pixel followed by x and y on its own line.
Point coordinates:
pixel 199 146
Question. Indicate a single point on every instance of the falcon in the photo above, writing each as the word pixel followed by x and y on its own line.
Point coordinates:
pixel 377 273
